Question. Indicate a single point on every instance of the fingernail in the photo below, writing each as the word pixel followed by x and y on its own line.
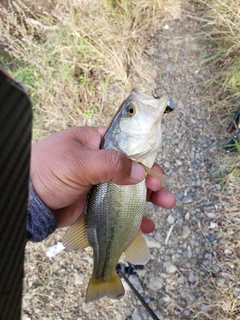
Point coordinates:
pixel 137 172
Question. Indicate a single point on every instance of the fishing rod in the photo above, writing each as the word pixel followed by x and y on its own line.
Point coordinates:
pixel 130 270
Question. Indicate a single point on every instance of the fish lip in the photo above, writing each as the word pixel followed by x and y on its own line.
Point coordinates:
pixel 158 104
pixel 139 95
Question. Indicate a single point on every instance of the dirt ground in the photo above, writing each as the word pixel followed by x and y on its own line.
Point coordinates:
pixel 187 254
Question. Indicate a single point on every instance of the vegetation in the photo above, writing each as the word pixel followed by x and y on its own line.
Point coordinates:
pixel 74 56
pixel 220 21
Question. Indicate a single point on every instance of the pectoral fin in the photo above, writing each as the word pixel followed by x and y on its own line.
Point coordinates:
pixel 138 251
pixel 76 235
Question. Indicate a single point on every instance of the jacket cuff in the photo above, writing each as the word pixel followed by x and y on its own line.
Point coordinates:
pixel 41 222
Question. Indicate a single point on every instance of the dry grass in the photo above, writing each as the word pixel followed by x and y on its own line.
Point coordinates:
pixel 222 29
pixel 77 57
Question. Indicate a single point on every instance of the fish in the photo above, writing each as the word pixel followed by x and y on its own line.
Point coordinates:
pixel 113 216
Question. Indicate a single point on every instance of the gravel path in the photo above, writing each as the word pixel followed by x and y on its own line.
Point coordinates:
pixel 183 257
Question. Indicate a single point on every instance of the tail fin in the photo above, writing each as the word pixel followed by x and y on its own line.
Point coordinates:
pixel 112 288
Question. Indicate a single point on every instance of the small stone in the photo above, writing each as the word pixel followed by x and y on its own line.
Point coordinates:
pixel 186 232
pixel 25 303
pixel 167 164
pixel 181 280
pixel 213 225
pixel 213 145
pixel 237 293
pixel 191 277
pixel 198 183
pixel 128 312
pixel 207 203
pixel 152 242
pixel 180 250
pixel 204 307
pixel 169 67
pixel 213 237
pixel 186 312
pixel 211 215
pixel 187 199
pixel 195 164
pixel 188 297
pixel 79 278
pixel 178 162
pixel 221 281
pixel 187 216
pixel 202 139
pixel 189 252
pixel 198 196
pixel 165 55
pixel 136 315
pixel 191 182
pixel 155 283
pixel 26 317
pixel 158 236
pixel 166 299
pixel 170 219
pixel 170 268
pixel 179 195
pixel 181 144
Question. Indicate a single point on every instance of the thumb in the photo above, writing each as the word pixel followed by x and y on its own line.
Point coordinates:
pixel 110 166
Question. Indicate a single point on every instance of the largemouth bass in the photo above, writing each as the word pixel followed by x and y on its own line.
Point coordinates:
pixel 111 223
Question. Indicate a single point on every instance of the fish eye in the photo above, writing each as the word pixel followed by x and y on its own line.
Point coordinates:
pixel 167 110
pixel 131 110
pixel 170 107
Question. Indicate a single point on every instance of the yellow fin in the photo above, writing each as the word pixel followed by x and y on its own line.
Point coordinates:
pixel 138 251
pixel 76 235
pixel 112 288
pixel 155 174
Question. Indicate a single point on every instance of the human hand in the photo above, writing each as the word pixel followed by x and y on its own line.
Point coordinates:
pixel 67 164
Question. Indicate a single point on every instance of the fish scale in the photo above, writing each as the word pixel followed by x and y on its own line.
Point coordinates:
pixel 110 219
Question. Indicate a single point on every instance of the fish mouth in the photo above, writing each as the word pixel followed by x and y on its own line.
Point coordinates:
pixel 158 104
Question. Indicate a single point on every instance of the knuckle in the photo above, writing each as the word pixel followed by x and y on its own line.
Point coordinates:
pixel 117 162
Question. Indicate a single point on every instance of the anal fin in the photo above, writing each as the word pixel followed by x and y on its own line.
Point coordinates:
pixel 76 235
pixel 138 251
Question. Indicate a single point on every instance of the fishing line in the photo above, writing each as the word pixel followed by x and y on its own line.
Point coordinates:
pixel 141 299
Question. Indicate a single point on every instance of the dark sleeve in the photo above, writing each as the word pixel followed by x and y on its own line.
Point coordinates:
pixel 41 222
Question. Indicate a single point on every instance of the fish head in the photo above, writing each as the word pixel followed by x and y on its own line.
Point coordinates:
pixel 136 128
